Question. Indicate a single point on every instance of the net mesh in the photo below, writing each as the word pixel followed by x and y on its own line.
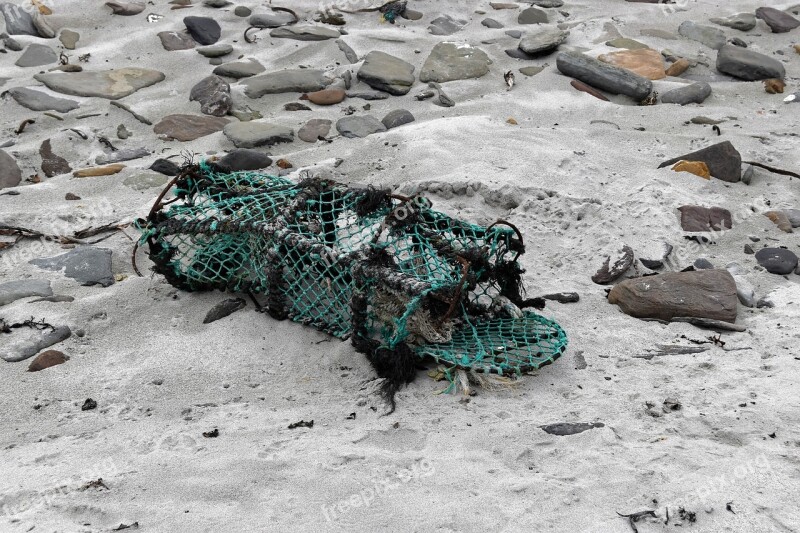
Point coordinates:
pixel 388 272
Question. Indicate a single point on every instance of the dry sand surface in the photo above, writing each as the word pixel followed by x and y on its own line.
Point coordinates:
pixel 711 438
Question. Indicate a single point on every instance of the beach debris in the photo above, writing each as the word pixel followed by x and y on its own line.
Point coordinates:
pixel 214 433
pixel 609 273
pixel 121 527
pixel 95 484
pixel 564 429
pixel 223 309
pixel 509 79
pixel 774 86
pixel 88 405
pixel 588 89
pixel 635 517
pixel 301 424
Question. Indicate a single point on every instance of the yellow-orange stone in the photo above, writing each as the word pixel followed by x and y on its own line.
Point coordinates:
pixel 678 67
pixel 327 96
pixel 774 86
pixel 644 62
pixel 698 168
pixel 98 171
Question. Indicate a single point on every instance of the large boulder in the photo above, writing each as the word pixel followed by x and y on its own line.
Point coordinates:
pixel 723 160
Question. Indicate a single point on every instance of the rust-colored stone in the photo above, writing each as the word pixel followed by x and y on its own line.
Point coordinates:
pixel 644 62
pixel 698 168
pixel 678 67
pixel 47 359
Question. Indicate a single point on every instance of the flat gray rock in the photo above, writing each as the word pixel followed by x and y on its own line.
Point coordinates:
pixel 708 35
pixel 445 25
pixel 27 342
pixel 215 50
pixel 546 3
pixel 39 101
pixel 314 129
pixel 176 40
pixel 36 55
pixel 451 61
pixel 545 40
pixel 285 81
pixel 112 84
pixel 189 127
pixel 125 154
pixel 12 291
pixel 69 39
pixel 305 33
pixel 214 95
pixel 349 53
pixel 565 429
pixel 240 69
pixel 85 264
pixel 359 126
pixel 10 173
pixel 748 65
pixel 253 134
pixel 18 21
pixel 532 15
pixel 740 21
pixel 387 73
pixel 696 93
pixel 604 76
pixel 274 19
pixel 126 9
pixel 142 182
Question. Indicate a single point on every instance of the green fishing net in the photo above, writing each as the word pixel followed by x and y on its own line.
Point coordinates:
pixel 399 279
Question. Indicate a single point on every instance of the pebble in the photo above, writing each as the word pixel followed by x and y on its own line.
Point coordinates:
pixel 387 73
pixel 242 11
pixel 189 127
pixel 314 129
pixel 777 260
pixel 777 20
pixel 36 55
pixel 644 62
pixel 86 264
pixel 274 19
pixel 47 359
pixel 695 93
pixel 214 95
pixel 532 15
pixel 359 126
pixel 780 219
pixel 142 182
pixel 166 167
pixel 52 164
pixel 349 53
pixel 604 76
pixel 12 291
pixel 223 309
pixel 10 173
pixel 18 21
pixel 740 21
pixel 565 429
pixel 748 65
pixel 445 25
pixel 723 160
pixel 111 84
pixel 531 71
pixel 285 81
pixel 126 9
pixel 122 132
pixel 544 41
pixel 326 96
pixel 397 118
pixel 702 294
pixel 204 30
pixel 242 159
pixel 678 67
pixel 305 33
pixel 69 39
pixel 39 101
pixel 698 218
pixel 702 264
pixel 125 154
pixel 794 217
pixel 29 342
pixel 240 69
pixel 708 35
pixel 295 106
pixel 215 50
pixel 451 61
pixel 253 134
pixel 176 40
pixel 628 44
pixel 491 23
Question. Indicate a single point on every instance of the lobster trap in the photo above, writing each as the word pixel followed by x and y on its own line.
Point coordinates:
pixel 399 279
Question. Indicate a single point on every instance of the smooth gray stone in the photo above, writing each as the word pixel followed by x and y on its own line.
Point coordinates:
pixel 794 217
pixel 445 25
pixel 214 95
pixel 748 65
pixel 10 173
pixel 368 95
pixel 85 264
pixel 314 129
pixel 359 126
pixel 565 429
pixel 243 159
pixel 542 41
pixel 240 69
pixel 451 61
pixel 253 134
pixel 14 290
pixel 125 154
pixel 546 3
pixel 204 30
pixel 285 81
pixel 514 34
pixel 126 9
pixel 777 260
pixel 702 263
pixel 36 55
pixel 708 35
pixel 696 93
pixel 532 15
pixel 111 84
pixel 18 21
pixel 740 21
pixel 349 53
pixel 242 11
pixel 492 23
pixel 223 309
pixel 12 44
pixel 43 26
pixel 176 40
pixel 384 72
pixel 39 101
pixel 604 76
pixel 397 118
pixel 35 342
pixel 777 20
pixel 275 19
pixel 69 39
pixel 305 33
pixel 142 182
pixel 215 50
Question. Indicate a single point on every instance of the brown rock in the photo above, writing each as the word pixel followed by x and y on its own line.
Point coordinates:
pixel 47 359
pixel 189 127
pixel 774 86
pixel 70 196
pixel 99 171
pixel 780 219
pixel 608 273
pixel 326 97
pixel 588 89
pixel 678 67
pixel 697 218
pixel 701 294
pixel 698 168
pixel 284 164
pixel 52 164
pixel 644 62
pixel 797 48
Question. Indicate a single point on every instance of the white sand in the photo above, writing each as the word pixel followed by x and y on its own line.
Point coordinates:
pixel 439 464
